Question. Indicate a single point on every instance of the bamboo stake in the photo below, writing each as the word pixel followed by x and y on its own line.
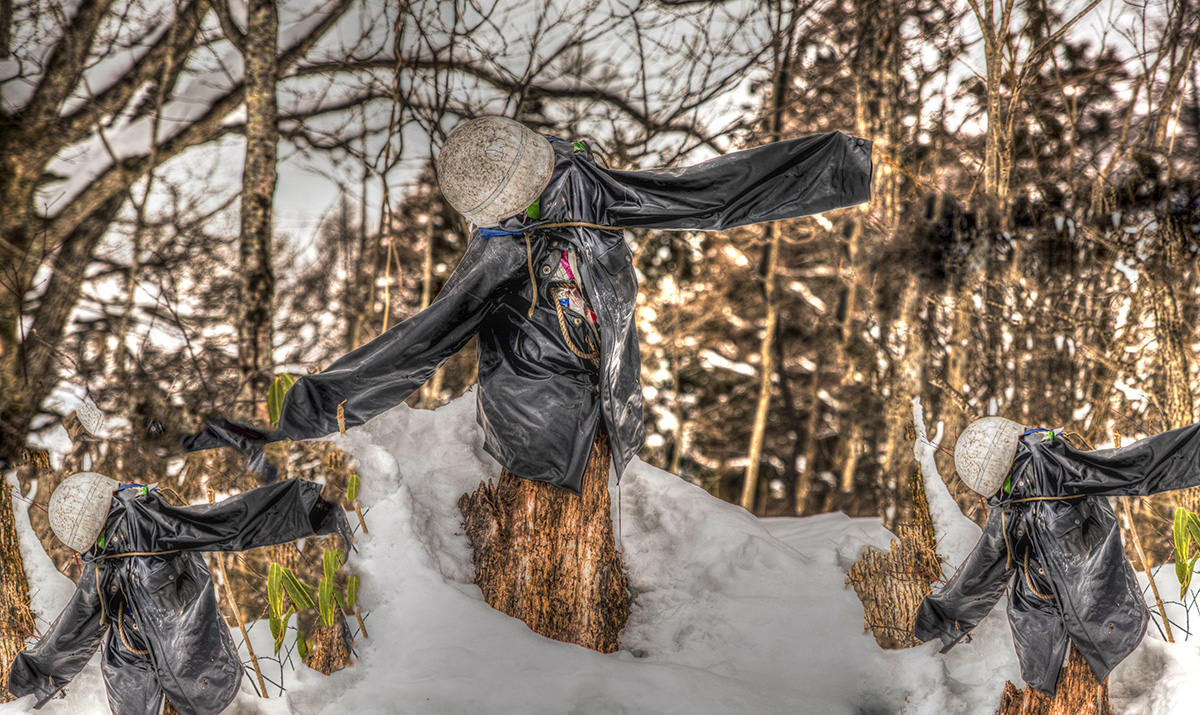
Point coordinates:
pixel 237 613
pixel 361 522
pixel 1137 547
pixel 361 626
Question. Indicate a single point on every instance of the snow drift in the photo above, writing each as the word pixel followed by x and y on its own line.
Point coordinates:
pixel 730 613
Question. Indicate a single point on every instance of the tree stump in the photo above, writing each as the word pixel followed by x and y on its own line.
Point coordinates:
pixel 892 585
pixel 17 617
pixel 547 556
pixel 330 647
pixel 1078 693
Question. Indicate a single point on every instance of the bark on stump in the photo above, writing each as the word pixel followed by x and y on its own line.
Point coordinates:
pixel 14 592
pixel 547 556
pixel 1078 693
pixel 330 647
pixel 891 585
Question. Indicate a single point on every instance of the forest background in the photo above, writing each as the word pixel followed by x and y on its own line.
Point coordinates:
pixel 1029 250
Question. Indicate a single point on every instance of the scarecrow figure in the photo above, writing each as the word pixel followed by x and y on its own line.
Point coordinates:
pixel 145 596
pixel 1052 541
pixel 548 286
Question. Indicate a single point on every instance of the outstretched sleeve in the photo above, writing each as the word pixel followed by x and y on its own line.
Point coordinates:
pixel 1161 463
pixel 56 658
pixel 268 515
pixel 786 179
pixel 384 372
pixel 971 593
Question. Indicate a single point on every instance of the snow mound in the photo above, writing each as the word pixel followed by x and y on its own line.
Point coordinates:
pixel 730 614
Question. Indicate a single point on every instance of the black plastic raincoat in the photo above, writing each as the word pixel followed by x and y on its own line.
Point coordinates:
pixel 542 394
pixel 1055 540
pixel 146 598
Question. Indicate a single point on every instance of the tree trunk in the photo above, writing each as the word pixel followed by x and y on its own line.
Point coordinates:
pixel 956 411
pixel 1079 693
pixel 547 556
pixel 766 370
pixel 804 479
pixel 17 617
pixel 905 378
pixel 256 277
pixel 1173 336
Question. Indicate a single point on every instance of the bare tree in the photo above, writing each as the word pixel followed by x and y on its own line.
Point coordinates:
pixel 256 272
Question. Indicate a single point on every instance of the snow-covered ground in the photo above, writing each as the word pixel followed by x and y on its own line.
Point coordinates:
pixel 730 614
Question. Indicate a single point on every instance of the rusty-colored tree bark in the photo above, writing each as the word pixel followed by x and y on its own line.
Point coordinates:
pixel 14 591
pixel 891 585
pixel 547 556
pixel 1078 693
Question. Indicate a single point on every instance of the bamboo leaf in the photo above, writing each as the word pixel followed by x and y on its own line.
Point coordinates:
pixel 331 560
pixel 276 624
pixel 301 595
pixel 1179 532
pixel 283 624
pixel 352 488
pixel 327 600
pixel 279 388
pixel 1193 525
pixel 275 591
pixel 352 592
pixel 302 646
pixel 1186 581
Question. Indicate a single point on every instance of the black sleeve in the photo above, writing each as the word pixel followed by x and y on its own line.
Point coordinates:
pixel 45 667
pixel 1161 463
pixel 971 593
pixel 268 515
pixel 786 179
pixel 385 371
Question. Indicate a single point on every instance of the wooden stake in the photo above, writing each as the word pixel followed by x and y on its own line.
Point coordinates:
pixel 361 522
pixel 237 613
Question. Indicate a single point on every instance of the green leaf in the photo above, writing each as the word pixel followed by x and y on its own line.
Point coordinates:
pixel 279 388
pixel 1186 580
pixel 276 626
pixel 275 591
pixel 352 592
pixel 1193 525
pixel 283 624
pixel 327 600
pixel 301 594
pixel 352 488
pixel 302 646
pixel 331 560
pixel 1179 532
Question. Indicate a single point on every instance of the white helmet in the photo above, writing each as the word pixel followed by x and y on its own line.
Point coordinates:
pixel 492 168
pixel 984 453
pixel 79 508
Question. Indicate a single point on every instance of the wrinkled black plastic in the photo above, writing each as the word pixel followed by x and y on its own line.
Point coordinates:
pixel 165 605
pixel 1068 572
pixel 539 403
